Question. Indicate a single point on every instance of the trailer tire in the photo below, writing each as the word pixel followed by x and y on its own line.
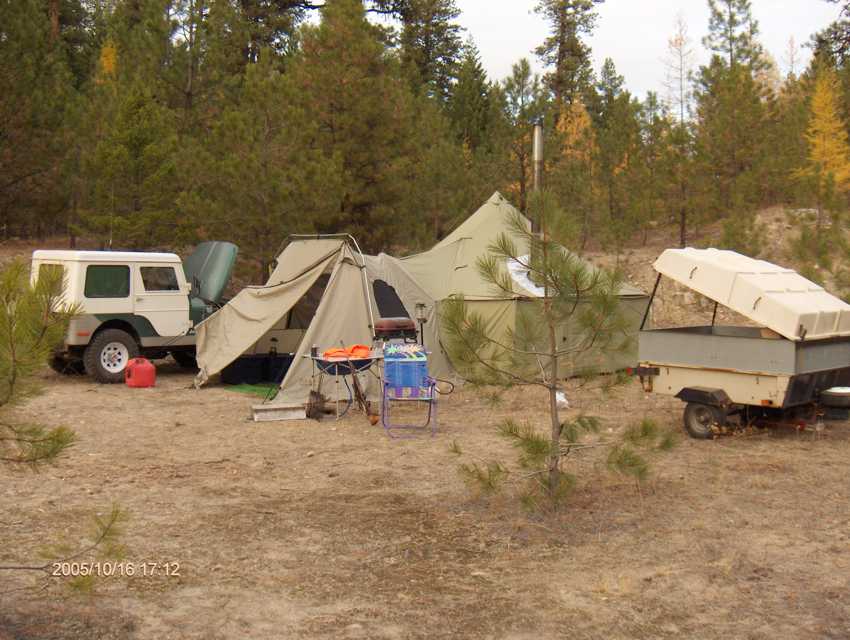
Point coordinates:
pixel 700 419
pixel 836 397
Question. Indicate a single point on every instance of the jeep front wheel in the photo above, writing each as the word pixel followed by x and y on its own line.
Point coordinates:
pixel 107 355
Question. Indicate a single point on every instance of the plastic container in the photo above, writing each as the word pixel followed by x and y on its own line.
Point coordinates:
pixel 405 372
pixel 140 373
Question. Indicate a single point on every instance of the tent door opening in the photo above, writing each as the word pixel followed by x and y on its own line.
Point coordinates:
pixel 271 356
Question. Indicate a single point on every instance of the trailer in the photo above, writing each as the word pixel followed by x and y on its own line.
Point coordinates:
pixel 792 366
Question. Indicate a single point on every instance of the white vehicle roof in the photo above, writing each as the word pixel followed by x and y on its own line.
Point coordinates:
pixel 103 256
pixel 772 296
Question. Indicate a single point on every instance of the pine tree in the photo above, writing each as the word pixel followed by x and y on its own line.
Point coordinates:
pixel 271 27
pixel 79 32
pixel 835 39
pixel 470 105
pixel 531 354
pixel 256 178
pixel 37 99
pixel 128 162
pixel 431 45
pixel 618 142
pixel 525 105
pixel 787 141
pixel 564 50
pixel 442 186
pixel 365 117
pixel 32 322
pixel 733 33
pixel 730 135
pixel 650 179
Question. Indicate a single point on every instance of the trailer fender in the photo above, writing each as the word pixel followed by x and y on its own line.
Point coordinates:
pixel 705 395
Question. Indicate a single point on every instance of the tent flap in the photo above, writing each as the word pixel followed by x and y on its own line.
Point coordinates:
pixel 231 331
pixel 342 318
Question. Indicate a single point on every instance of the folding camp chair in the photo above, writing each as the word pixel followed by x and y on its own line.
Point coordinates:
pixel 406 382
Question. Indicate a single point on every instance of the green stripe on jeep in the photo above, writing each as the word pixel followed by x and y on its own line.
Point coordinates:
pixel 141 324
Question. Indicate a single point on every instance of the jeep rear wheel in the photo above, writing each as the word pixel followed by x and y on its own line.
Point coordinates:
pixel 107 355
pixel 66 366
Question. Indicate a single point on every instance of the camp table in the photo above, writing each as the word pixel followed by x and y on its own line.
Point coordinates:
pixel 341 367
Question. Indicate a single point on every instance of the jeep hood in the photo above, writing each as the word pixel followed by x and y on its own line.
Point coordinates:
pixel 211 264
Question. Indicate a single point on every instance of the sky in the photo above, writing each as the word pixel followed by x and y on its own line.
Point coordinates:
pixel 634 33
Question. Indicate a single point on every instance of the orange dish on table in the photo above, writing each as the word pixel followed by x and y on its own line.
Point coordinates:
pixel 354 352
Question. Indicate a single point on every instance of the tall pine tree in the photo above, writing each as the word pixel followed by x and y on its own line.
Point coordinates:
pixel 37 100
pixel 565 50
pixel 470 105
pixel 257 178
pixel 364 114
pixel 431 45
pixel 733 33
pixel 525 105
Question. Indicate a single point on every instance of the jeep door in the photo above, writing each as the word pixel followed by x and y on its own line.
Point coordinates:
pixel 161 296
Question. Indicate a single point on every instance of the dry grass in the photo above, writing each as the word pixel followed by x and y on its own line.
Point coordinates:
pixel 331 530
pixel 306 530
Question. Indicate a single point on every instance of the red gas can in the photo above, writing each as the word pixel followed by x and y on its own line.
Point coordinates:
pixel 140 372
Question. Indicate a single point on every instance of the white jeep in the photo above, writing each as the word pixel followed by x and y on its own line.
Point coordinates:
pixel 134 303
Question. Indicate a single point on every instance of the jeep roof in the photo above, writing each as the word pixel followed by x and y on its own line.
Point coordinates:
pixel 103 256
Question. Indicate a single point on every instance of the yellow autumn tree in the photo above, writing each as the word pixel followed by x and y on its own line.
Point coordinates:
pixel 573 174
pixel 107 62
pixel 576 128
pixel 828 162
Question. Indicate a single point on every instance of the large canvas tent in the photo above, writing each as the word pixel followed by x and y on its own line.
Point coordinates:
pixel 384 268
pixel 449 269
pixel 317 295
pixel 325 292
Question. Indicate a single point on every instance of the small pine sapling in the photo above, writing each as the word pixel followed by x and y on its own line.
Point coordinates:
pixel 568 328
pixel 33 321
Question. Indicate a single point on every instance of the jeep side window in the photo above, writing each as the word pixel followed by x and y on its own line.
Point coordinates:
pixel 159 279
pixel 107 281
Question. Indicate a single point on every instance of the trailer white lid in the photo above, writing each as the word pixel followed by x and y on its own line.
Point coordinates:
pixel 772 296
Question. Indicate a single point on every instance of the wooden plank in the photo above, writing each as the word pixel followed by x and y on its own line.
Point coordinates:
pixel 276 412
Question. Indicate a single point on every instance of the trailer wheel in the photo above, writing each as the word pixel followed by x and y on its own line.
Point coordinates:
pixel 701 418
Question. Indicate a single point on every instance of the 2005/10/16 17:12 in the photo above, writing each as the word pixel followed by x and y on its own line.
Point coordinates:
pixel 115 569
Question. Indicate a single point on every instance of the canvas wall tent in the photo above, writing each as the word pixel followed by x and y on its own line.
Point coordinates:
pixel 449 268
pixel 386 269
pixel 317 295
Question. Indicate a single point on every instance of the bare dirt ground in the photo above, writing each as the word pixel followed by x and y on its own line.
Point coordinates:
pixel 332 530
